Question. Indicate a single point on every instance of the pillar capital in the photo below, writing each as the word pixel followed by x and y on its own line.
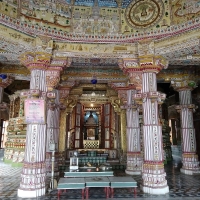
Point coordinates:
pixel 182 82
pixel 122 89
pixel 154 96
pixel 147 63
pixel 36 60
pixel 54 70
pixel 135 67
pixel 64 90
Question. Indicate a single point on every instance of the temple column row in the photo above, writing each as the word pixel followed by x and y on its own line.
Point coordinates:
pixel 142 73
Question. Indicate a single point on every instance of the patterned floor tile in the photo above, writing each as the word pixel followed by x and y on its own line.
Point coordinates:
pixel 181 187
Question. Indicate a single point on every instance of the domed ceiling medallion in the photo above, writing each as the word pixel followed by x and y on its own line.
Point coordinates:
pixel 142 14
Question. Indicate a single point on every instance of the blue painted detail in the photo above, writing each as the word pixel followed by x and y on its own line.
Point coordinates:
pixel 3 76
pixel 84 3
pixel 101 3
pixel 68 1
pixel 125 3
pixel 110 3
pixel 94 81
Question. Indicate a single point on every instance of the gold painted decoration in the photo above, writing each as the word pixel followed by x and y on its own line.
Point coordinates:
pixel 136 79
pixel 144 13
pixel 37 60
pixel 123 130
pixel 52 79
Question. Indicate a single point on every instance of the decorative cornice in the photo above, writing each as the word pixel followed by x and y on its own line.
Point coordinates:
pixel 31 29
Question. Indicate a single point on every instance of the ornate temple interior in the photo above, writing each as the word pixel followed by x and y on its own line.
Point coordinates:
pixel 112 82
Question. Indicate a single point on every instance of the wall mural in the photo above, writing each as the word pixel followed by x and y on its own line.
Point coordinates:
pixel 49 13
pixel 144 14
pixel 99 17
pixel 184 10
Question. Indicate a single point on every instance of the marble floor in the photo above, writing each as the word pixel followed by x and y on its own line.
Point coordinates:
pixel 181 187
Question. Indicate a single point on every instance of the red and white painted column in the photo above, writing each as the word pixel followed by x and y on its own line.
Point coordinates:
pixel 186 108
pixel 142 72
pixel 134 156
pixel 133 151
pixel 153 174
pixel 53 110
pixel 53 118
pixel 34 169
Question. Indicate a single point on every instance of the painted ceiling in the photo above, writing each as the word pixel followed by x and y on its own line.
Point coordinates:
pixel 95 34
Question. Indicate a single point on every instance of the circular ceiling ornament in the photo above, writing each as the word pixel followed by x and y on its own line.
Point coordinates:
pixel 144 13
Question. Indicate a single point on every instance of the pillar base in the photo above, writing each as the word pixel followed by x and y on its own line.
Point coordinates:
pixel 130 172
pixel 189 171
pixel 159 190
pixel 31 193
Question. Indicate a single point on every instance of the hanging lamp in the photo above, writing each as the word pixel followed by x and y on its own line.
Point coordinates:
pixel 94 79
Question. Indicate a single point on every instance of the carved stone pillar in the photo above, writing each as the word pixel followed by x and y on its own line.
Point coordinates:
pixel 186 109
pixel 62 139
pixel 53 118
pixel 34 169
pixel 144 69
pixel 115 102
pixel 134 157
pixel 64 103
pixel 123 133
pixel 53 110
